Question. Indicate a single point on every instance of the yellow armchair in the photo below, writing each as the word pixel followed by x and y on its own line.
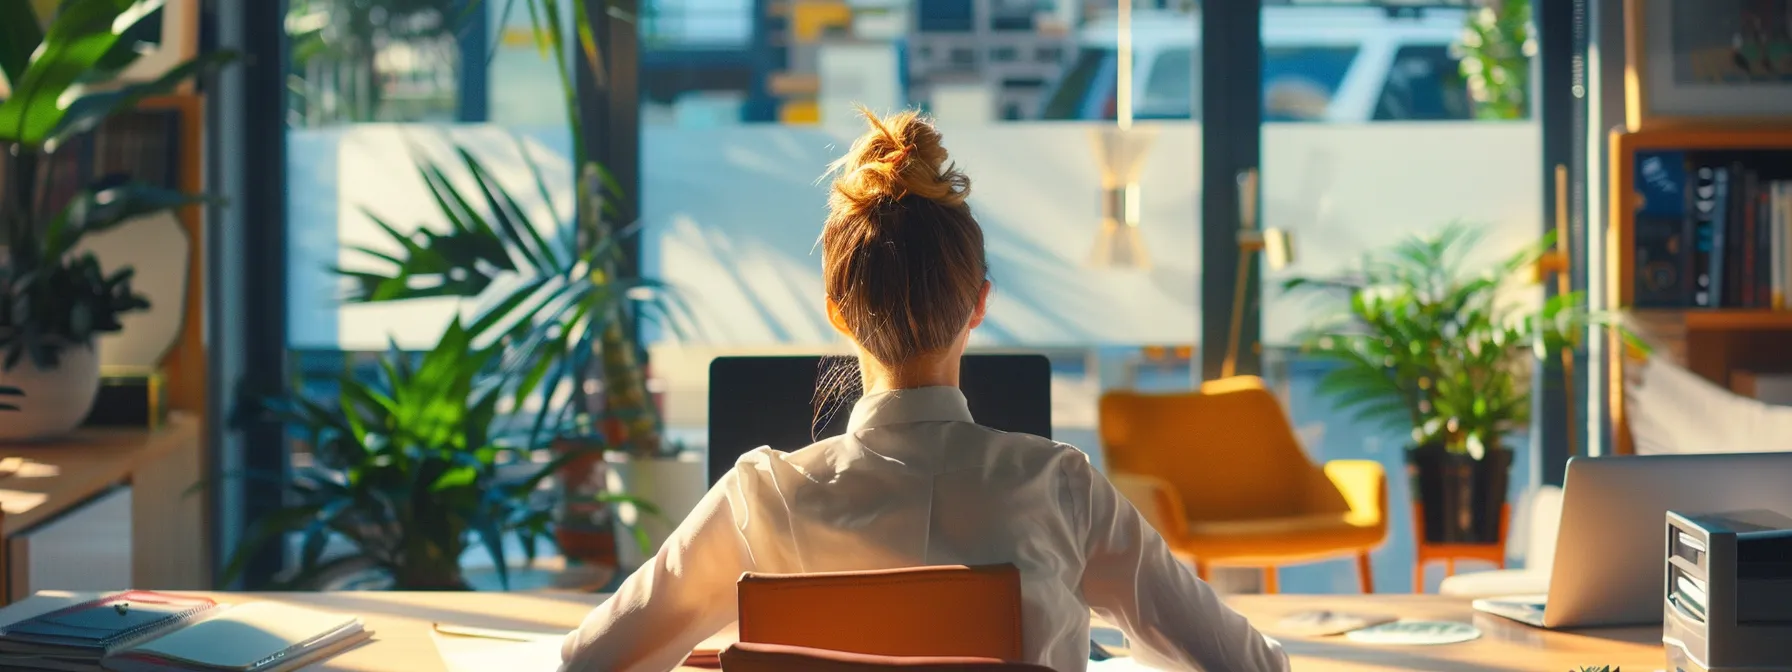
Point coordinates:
pixel 1221 476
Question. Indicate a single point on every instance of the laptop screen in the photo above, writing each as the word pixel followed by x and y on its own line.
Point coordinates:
pixel 774 401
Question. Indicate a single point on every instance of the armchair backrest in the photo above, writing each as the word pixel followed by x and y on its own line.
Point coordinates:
pixel 1228 450
pixel 953 611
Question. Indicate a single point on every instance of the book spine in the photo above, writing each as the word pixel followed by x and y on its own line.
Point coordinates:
pixel 1735 243
pixel 1715 255
pixel 1662 245
pixel 1776 242
pixel 1763 246
pixel 1783 224
pixel 1745 251
pixel 1699 222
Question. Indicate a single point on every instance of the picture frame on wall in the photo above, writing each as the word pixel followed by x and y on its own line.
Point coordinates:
pixel 167 38
pixel 1703 62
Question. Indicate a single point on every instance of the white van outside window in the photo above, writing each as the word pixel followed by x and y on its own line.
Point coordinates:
pixel 1328 64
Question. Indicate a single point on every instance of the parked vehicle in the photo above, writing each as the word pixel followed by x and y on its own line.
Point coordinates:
pixel 1325 64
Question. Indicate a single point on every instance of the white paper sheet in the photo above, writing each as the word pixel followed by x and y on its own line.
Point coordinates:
pixel 1119 665
pixel 480 654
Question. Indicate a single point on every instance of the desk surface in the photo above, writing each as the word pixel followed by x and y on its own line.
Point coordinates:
pixel 402 624
pixel 39 481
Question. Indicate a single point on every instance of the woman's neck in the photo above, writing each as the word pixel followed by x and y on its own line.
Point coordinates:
pixel 924 371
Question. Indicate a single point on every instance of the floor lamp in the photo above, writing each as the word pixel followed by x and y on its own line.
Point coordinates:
pixel 1277 246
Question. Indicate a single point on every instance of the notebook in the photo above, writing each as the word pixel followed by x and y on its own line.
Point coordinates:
pixel 251 637
pixel 76 637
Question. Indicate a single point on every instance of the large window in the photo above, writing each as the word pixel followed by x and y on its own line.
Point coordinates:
pixel 375 88
pixel 1369 137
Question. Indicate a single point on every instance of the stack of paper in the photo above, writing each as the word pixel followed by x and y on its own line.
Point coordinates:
pixel 76 637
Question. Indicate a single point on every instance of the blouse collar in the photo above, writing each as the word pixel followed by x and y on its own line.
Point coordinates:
pixel 918 404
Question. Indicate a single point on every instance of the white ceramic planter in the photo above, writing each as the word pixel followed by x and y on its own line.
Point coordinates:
pixel 55 401
pixel 674 485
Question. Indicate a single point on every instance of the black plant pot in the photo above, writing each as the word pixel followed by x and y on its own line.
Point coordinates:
pixel 1462 499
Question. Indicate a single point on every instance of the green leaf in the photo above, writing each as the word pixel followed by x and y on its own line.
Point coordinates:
pixel 458 477
pixel 20 32
pixel 90 109
pixel 77 39
pixel 92 212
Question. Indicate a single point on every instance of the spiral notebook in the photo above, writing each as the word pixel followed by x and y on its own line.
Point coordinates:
pixel 250 637
pixel 76 637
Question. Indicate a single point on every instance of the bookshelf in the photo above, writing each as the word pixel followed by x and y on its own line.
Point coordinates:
pixel 1710 340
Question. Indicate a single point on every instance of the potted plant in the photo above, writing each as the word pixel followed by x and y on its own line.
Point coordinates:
pixel 1444 356
pixel 57 298
pixel 416 464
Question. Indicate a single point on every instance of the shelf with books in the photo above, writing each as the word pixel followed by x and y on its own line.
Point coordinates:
pixel 1700 249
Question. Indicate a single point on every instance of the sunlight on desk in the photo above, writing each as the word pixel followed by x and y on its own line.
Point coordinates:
pixel 478 654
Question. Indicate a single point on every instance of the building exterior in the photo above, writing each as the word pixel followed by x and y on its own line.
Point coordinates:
pixel 1016 48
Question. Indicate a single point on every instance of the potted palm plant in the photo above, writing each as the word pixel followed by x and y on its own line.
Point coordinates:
pixel 57 298
pixel 425 458
pixel 1443 356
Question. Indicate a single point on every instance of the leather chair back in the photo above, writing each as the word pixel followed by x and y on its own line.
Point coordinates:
pixel 952 611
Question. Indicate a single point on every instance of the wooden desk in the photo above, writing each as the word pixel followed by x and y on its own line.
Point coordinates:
pixel 169 545
pixel 401 624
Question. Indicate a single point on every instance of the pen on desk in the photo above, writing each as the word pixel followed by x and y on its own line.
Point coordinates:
pixel 491 633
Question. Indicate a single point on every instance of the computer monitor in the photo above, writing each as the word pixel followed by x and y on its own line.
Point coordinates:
pixel 772 401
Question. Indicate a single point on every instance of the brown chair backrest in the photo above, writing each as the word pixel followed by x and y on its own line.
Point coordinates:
pixel 923 611
pixel 748 657
pixel 1228 449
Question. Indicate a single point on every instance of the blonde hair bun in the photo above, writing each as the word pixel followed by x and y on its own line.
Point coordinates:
pixel 899 155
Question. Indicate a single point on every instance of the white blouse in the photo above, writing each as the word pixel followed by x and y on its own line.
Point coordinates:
pixel 914 481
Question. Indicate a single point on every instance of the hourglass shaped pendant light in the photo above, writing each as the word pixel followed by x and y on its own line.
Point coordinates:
pixel 1120 152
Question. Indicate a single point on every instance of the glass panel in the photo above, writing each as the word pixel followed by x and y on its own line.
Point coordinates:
pixel 374 88
pixel 731 203
pixel 1345 174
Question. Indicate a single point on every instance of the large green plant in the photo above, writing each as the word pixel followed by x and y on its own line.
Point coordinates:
pixel 412 465
pixel 61 81
pixel 1424 345
pixel 553 303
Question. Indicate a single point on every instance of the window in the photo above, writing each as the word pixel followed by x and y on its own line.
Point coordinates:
pixel 1048 55
pixel 964 56
pixel 1074 89
pixel 1003 55
pixel 1424 84
pixel 945 16
pixel 1299 82
pixel 1169 89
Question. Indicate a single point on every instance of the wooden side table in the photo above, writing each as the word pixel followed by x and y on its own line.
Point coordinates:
pixel 1449 553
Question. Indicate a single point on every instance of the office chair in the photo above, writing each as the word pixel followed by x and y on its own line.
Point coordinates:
pixel 1221 476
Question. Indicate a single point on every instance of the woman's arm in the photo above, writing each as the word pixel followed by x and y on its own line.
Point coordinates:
pixel 685 594
pixel 1174 619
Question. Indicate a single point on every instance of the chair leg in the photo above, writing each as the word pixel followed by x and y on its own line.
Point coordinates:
pixel 1418 577
pixel 1363 574
pixel 1449 566
pixel 1270 585
pixel 1204 571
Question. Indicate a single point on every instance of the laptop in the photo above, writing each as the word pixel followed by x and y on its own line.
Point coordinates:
pixel 1610 567
pixel 773 401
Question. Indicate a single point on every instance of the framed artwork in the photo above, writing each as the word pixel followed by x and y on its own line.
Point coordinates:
pixel 166 38
pixel 1694 62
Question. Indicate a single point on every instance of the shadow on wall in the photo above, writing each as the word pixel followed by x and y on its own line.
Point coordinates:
pixel 733 216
